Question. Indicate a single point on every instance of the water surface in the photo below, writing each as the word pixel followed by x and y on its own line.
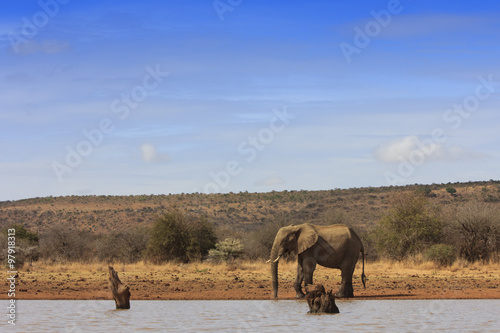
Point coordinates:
pixel 256 316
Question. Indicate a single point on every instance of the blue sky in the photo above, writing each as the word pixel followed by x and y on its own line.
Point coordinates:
pixel 118 98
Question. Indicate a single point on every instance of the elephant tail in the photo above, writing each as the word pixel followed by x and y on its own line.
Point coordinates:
pixel 363 276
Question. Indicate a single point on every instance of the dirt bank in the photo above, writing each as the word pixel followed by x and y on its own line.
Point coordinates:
pixel 251 281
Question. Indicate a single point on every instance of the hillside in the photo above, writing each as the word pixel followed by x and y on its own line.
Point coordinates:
pixel 359 207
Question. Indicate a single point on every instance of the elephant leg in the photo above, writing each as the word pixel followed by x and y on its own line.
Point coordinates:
pixel 298 282
pixel 346 289
pixel 309 266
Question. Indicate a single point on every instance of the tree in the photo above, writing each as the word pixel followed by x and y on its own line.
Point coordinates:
pixel 202 239
pixel 60 243
pixel 122 246
pixel 425 190
pixel 259 243
pixel 179 236
pixel 410 225
pixel 475 230
pixel 25 245
pixel 451 190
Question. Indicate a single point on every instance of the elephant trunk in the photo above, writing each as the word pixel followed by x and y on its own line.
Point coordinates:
pixel 274 270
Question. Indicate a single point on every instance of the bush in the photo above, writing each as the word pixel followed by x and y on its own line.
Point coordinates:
pixel 26 245
pixel 409 227
pixel 475 230
pixel 202 239
pixel 60 243
pixel 442 254
pixel 226 250
pixel 451 190
pixel 334 216
pixel 426 191
pixel 178 236
pixel 259 243
pixel 125 247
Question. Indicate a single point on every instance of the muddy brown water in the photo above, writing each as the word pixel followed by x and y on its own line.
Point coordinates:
pixel 255 316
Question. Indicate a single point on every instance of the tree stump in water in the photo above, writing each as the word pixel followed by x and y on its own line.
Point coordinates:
pixel 319 300
pixel 121 293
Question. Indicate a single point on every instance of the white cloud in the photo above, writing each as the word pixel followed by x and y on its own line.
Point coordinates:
pixel 401 149
pixel 458 153
pixel 271 181
pixel 151 155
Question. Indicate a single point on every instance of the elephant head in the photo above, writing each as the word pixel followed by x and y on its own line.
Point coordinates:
pixel 290 239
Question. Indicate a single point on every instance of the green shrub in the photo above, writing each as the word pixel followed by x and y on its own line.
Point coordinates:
pixel 442 254
pixel 202 238
pixel 410 225
pixel 226 250
pixel 425 190
pixel 178 236
pixel 25 245
pixel 451 190
pixel 23 233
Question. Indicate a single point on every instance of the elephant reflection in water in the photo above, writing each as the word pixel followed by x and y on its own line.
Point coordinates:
pixel 333 246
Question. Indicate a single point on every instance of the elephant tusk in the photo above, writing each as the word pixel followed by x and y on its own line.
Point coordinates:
pixel 275 260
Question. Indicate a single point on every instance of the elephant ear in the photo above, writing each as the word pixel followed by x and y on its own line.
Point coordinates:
pixel 307 238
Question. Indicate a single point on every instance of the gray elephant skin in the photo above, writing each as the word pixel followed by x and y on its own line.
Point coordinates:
pixel 333 246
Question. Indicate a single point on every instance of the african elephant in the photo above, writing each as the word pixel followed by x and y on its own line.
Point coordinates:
pixel 333 246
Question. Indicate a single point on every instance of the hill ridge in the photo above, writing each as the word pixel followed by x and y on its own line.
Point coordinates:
pixel 244 211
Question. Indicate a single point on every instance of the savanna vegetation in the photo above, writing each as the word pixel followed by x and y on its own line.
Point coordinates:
pixel 440 223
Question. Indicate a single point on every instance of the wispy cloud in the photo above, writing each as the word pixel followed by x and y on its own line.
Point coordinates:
pixel 226 78
pixel 400 149
pixel 271 181
pixel 150 154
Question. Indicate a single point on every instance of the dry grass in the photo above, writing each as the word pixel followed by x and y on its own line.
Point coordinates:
pixel 142 266
pixel 420 266
pixel 244 279
pixel 415 263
